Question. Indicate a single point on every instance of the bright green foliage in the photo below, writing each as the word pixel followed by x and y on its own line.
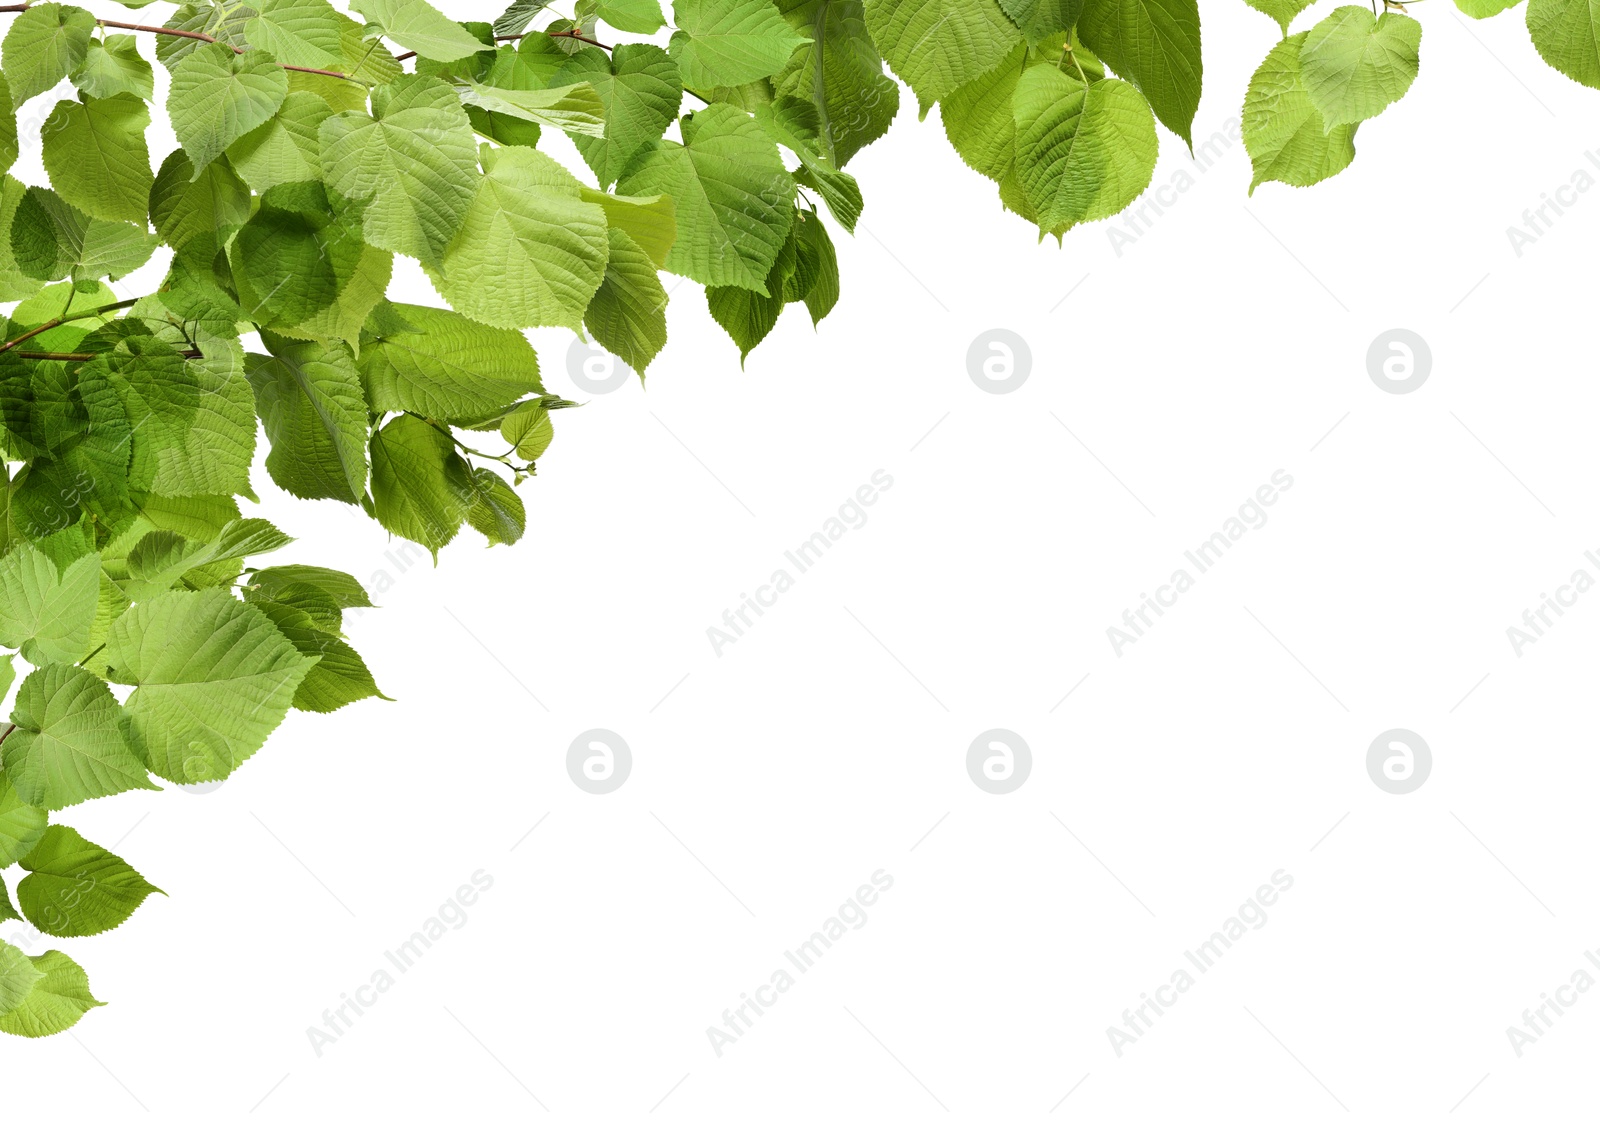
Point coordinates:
pixel 312 148
pixel 1353 66
pixel 938 46
pixel 732 194
pixel 1567 35
pixel 1155 44
pixel 730 42
pixel 1483 9
pixel 78 889
pixel 1284 134
pixel 1284 11
pixel 1085 152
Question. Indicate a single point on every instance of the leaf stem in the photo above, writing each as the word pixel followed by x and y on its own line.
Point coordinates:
pixel 64 318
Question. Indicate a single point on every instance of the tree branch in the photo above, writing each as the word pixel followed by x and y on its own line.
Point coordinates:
pixel 201 36
pixel 60 320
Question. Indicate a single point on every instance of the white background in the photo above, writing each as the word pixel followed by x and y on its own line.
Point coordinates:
pixel 830 742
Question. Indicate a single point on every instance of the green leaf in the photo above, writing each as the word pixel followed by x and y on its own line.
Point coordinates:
pixel 640 93
pixel 69 744
pixel 339 676
pixel 303 269
pixel 747 316
pixel 628 314
pixel 15 285
pixel 18 975
pixel 730 42
pixel 815 256
pixel 443 365
pixel 1283 12
pixel 50 238
pixel 418 26
pixel 57 1002
pixel 212 677
pixel 421 488
pixel 197 215
pixel 640 17
pixel 193 426
pixel 576 108
pixel 44 44
pixel 162 558
pixel 311 404
pixel 1039 19
pixel 1155 44
pixel 78 889
pixel 341 589
pixel 650 220
pixel 43 612
pixel 21 824
pixel 96 156
pixel 297 32
pixel 734 198
pixel 218 96
pixel 286 149
pixel 530 251
pixel 1566 34
pixel 515 19
pixel 841 72
pixel 413 162
pixel 795 125
pixel 496 512
pixel 224 23
pixel 115 67
pixel 1283 132
pixel 938 46
pixel 1083 153
pixel 978 118
pixel 1353 66
pixel 528 429
pixel 10 147
pixel 1483 9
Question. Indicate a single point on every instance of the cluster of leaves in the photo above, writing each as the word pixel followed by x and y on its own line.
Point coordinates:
pixel 310 154
pixel 1316 86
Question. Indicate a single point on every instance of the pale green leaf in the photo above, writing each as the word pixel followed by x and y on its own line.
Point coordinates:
pixel 43 45
pixel 530 251
pixel 640 93
pixel 443 365
pixel 218 96
pixel 1353 66
pixel 212 677
pixel 69 744
pixel 115 67
pixel 297 32
pixel 640 17
pixel 1566 33
pixel 43 611
pixel 418 26
pixel 285 149
pixel 576 108
pixel 733 196
pixel 650 220
pixel 413 163
pixel 18 974
pixel 95 153
pixel 21 824
pixel 730 42
pixel 57 1001
pixel 1283 132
